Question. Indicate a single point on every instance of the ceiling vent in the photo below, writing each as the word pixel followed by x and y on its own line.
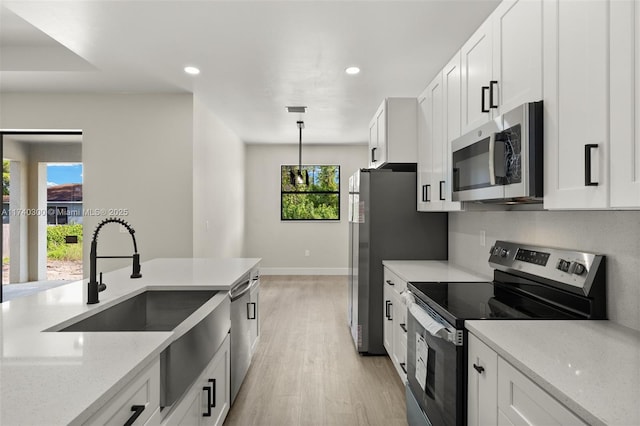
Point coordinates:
pixel 297 109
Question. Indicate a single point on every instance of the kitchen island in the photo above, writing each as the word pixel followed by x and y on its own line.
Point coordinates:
pixel 53 378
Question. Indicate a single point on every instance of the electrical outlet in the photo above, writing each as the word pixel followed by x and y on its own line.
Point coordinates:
pixel 307 252
pixel 483 238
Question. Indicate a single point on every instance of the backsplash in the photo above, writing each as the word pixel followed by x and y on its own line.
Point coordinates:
pixel 615 234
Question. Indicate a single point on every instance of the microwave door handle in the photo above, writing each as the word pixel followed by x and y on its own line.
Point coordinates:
pixel 492 159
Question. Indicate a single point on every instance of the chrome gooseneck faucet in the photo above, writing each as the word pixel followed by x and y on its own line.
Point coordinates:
pixel 94 287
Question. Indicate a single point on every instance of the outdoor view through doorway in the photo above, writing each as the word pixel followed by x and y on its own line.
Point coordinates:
pixel 64 221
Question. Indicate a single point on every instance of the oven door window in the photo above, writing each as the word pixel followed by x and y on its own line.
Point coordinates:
pixel 437 384
pixel 471 166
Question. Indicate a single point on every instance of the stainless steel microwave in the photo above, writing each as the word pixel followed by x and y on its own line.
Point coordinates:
pixel 501 161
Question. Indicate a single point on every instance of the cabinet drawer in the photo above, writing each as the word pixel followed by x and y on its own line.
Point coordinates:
pixel 521 401
pixel 142 392
pixel 398 284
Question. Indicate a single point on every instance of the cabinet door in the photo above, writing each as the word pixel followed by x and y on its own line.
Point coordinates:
pixel 373 140
pixel 378 137
pixel 207 402
pixel 476 57
pixel 451 94
pixel 140 399
pixel 217 379
pixel 517 53
pixel 254 315
pixel 482 391
pixel 521 401
pixel 436 125
pixel 430 105
pixel 381 119
pixel 425 155
pixel 387 328
pixel 625 103
pixel 576 99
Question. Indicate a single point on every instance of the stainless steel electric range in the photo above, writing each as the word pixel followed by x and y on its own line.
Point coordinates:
pixel 530 282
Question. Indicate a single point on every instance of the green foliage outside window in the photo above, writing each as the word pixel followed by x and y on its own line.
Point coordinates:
pixel 319 200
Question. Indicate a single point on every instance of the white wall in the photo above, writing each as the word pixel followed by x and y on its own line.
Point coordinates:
pixel 137 154
pixel 280 244
pixel 612 233
pixel 218 187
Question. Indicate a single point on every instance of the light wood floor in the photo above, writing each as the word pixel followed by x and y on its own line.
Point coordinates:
pixel 306 370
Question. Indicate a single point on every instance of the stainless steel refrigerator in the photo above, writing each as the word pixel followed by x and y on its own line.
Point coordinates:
pixel 384 224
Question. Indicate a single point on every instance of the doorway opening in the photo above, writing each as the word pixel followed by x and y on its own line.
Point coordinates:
pixel 64 221
pixel 34 228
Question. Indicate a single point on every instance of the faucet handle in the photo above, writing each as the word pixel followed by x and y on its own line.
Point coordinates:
pixel 101 286
pixel 136 266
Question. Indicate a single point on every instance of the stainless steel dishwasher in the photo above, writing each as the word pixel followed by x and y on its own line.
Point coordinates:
pixel 244 313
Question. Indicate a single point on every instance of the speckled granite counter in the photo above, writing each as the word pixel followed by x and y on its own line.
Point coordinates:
pixel 592 367
pixel 49 378
pixel 432 271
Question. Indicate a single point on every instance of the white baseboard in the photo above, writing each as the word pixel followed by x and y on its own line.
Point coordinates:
pixel 304 271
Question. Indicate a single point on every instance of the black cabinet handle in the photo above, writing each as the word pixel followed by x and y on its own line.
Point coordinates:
pixel 373 155
pixel 137 410
pixel 389 306
pixel 425 193
pixel 492 83
pixel 404 367
pixel 390 282
pixel 253 315
pixel 478 368
pixel 212 403
pixel 484 91
pixel 587 164
pixel 441 190
pixel 208 390
pixel 386 308
pixel 403 327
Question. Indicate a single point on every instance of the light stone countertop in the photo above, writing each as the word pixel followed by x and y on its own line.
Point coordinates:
pixel 592 367
pixel 432 271
pixel 49 378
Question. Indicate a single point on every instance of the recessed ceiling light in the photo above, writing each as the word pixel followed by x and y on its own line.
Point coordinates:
pixel 192 70
pixel 352 70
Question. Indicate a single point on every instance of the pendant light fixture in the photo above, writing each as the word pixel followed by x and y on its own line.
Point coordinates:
pixel 299 178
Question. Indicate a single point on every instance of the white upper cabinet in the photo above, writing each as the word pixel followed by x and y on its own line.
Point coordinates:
pixel 517 53
pixel 477 73
pixel 625 103
pixel 392 133
pixel 502 63
pixel 438 124
pixel 576 104
pixel 430 125
pixel 451 98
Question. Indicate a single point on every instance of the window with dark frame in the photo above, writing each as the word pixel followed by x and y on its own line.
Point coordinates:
pixel 315 198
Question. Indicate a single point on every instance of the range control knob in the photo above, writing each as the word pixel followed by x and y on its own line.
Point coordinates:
pixel 496 251
pixel 504 252
pixel 563 265
pixel 578 268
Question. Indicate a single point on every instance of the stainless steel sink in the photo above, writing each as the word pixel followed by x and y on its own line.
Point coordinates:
pixel 163 310
pixel 152 310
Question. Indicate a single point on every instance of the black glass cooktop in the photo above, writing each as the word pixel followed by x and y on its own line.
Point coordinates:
pixel 460 301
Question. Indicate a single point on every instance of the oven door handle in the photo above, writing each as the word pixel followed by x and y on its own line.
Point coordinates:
pixel 435 327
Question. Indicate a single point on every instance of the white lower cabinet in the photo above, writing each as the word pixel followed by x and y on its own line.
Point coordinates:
pixel 482 390
pixel 135 404
pixel 499 394
pixel 522 402
pixel 207 402
pixel 395 322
